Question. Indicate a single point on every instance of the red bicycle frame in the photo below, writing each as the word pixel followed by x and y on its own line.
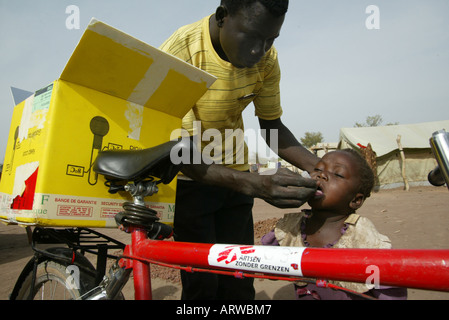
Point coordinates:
pixel 421 269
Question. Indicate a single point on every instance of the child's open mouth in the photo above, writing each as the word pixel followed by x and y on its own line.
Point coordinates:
pixel 319 193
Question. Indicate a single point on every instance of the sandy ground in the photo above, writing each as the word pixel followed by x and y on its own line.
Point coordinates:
pixel 417 219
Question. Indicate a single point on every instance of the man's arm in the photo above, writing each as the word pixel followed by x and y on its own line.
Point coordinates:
pixel 289 148
pixel 284 189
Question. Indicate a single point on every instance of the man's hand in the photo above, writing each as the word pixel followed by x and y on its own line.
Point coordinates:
pixel 284 189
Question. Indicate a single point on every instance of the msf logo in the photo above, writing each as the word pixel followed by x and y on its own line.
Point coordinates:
pixel 232 253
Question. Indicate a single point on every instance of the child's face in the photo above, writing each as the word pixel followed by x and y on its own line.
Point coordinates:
pixel 337 181
pixel 247 35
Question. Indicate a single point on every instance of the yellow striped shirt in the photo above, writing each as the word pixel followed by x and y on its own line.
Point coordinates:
pixel 219 112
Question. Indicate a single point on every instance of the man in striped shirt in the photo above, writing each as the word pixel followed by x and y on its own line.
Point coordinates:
pixel 214 201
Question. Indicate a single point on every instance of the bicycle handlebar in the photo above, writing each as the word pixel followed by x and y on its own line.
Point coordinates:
pixel 439 143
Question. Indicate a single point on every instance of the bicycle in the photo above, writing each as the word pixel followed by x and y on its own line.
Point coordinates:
pixel 139 173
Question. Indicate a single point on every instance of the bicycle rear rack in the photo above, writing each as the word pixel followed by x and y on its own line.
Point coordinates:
pixel 77 239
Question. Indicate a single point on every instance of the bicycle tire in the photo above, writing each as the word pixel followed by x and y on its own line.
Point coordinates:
pixel 54 281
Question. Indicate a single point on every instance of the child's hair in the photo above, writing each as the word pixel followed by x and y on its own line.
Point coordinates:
pixel 275 7
pixel 365 172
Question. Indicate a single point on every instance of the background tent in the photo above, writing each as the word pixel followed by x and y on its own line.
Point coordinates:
pixel 388 164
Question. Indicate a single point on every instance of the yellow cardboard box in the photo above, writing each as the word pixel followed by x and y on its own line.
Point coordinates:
pixel 115 92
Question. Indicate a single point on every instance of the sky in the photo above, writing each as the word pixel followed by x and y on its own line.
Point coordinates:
pixel 340 62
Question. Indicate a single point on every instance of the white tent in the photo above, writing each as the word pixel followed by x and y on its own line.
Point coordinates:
pixel 414 138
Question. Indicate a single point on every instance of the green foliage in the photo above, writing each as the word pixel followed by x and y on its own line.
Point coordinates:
pixel 311 138
pixel 373 121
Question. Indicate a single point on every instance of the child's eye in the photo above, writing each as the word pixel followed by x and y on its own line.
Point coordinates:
pixel 338 175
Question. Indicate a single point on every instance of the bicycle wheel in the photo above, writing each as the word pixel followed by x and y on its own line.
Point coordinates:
pixel 56 281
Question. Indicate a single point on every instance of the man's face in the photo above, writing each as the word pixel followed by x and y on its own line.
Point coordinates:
pixel 247 35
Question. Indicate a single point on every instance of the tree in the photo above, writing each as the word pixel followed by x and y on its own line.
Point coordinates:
pixel 311 138
pixel 373 121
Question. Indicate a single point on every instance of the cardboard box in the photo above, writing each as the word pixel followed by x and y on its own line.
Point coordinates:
pixel 115 92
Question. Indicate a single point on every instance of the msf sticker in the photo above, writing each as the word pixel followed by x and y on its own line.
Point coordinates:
pixel 275 260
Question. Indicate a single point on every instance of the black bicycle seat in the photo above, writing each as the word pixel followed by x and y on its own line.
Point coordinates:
pixel 134 165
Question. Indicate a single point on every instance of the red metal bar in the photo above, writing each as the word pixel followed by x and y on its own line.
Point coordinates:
pixel 178 253
pixel 422 269
pixel 141 271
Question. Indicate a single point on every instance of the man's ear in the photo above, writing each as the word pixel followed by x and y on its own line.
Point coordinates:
pixel 220 15
pixel 357 202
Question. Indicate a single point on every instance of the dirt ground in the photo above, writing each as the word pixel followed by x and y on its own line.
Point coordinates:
pixel 415 219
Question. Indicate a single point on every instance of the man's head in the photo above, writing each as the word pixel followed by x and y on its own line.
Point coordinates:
pixel 275 7
pixel 247 29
